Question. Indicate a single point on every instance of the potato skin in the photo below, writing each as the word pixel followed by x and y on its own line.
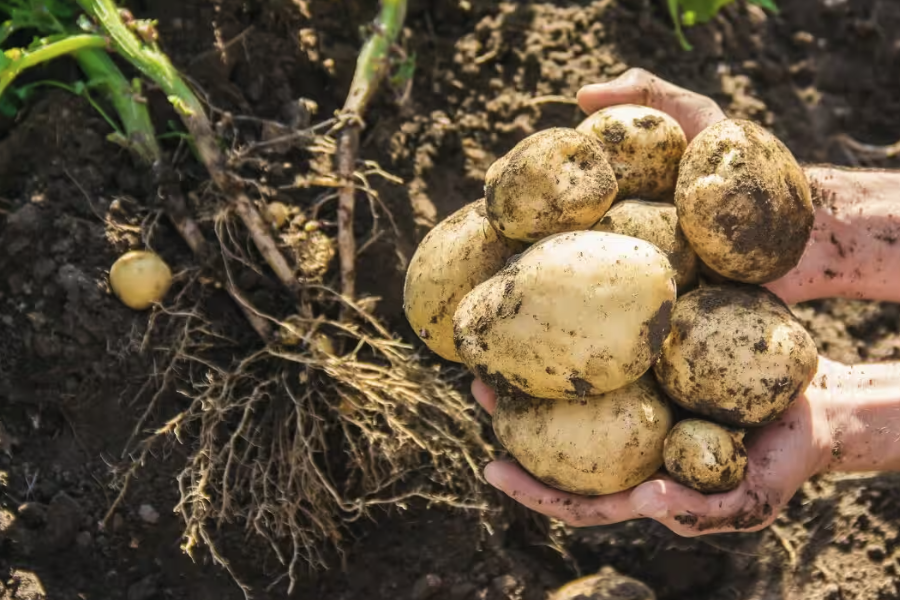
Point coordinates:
pixel 576 314
pixel 457 254
pixel 607 584
pixel 735 354
pixel 594 445
pixel 705 456
pixel 644 145
pixel 553 181
pixel 743 202
pixel 657 223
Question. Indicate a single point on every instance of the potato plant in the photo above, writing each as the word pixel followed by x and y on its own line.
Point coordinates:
pixel 627 298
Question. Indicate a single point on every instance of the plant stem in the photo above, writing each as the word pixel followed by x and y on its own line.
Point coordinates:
pixel 103 73
pixel 371 67
pixel 19 60
pixel 154 64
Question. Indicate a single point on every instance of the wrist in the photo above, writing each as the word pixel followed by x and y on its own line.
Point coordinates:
pixel 859 408
pixel 855 240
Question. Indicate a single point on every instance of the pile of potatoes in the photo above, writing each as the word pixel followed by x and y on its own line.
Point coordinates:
pixel 609 287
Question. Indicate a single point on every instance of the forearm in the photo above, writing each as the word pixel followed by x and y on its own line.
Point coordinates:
pixel 864 417
pixel 855 245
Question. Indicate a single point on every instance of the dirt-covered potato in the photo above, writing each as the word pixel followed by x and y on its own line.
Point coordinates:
pixel 644 146
pixel 460 252
pixel 140 279
pixel 593 445
pixel 705 456
pixel 607 584
pixel 743 202
pixel 657 223
pixel 578 313
pixel 553 181
pixel 735 354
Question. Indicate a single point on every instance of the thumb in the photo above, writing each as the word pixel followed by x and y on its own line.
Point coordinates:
pixel 635 86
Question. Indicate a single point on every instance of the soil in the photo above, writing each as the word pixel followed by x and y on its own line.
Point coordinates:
pixel 70 359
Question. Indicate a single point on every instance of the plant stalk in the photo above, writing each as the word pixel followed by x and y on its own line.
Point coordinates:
pixel 154 64
pixel 371 66
pixel 103 74
pixel 20 60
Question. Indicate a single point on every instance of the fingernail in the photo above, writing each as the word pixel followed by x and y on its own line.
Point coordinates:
pixel 647 502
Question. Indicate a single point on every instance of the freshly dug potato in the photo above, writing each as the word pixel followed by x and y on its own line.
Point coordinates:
pixel 553 181
pixel 276 213
pixel 140 278
pixel 735 354
pixel 705 456
pixel 460 252
pixel 576 314
pixel 644 146
pixel 607 584
pixel 593 445
pixel 657 223
pixel 743 202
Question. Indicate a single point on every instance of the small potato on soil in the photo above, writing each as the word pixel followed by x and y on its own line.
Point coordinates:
pixel 644 146
pixel 579 313
pixel 460 252
pixel 657 223
pixel 140 279
pixel 553 181
pixel 744 203
pixel 607 584
pixel 593 445
pixel 736 354
pixel 705 456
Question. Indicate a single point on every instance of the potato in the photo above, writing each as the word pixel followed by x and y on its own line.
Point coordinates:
pixel 743 202
pixel 657 223
pixel 139 279
pixel 607 584
pixel 644 146
pixel 592 445
pixel 276 213
pixel 457 254
pixel 576 314
pixel 735 354
pixel 553 181
pixel 705 456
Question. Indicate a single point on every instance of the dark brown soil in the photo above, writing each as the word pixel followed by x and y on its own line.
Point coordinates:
pixel 69 353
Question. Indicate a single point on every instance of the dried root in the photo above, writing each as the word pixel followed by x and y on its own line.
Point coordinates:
pixel 298 441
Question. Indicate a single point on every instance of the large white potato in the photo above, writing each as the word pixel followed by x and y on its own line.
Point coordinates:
pixel 656 222
pixel 644 146
pixel 460 252
pixel 736 354
pixel 576 314
pixel 593 445
pixel 553 181
pixel 743 202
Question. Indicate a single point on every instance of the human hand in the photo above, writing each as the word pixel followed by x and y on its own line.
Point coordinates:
pixel 781 456
pixel 693 111
pixel 843 259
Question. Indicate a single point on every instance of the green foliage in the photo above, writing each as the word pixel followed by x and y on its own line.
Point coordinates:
pixel 687 13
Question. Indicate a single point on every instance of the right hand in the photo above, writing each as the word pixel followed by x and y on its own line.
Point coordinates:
pixel 694 112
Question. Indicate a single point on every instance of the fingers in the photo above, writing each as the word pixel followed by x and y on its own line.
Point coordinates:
pixel 690 513
pixel 572 509
pixel 484 395
pixel 693 111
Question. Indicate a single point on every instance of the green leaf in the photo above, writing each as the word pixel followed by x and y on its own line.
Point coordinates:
pixel 676 19
pixel 8 108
